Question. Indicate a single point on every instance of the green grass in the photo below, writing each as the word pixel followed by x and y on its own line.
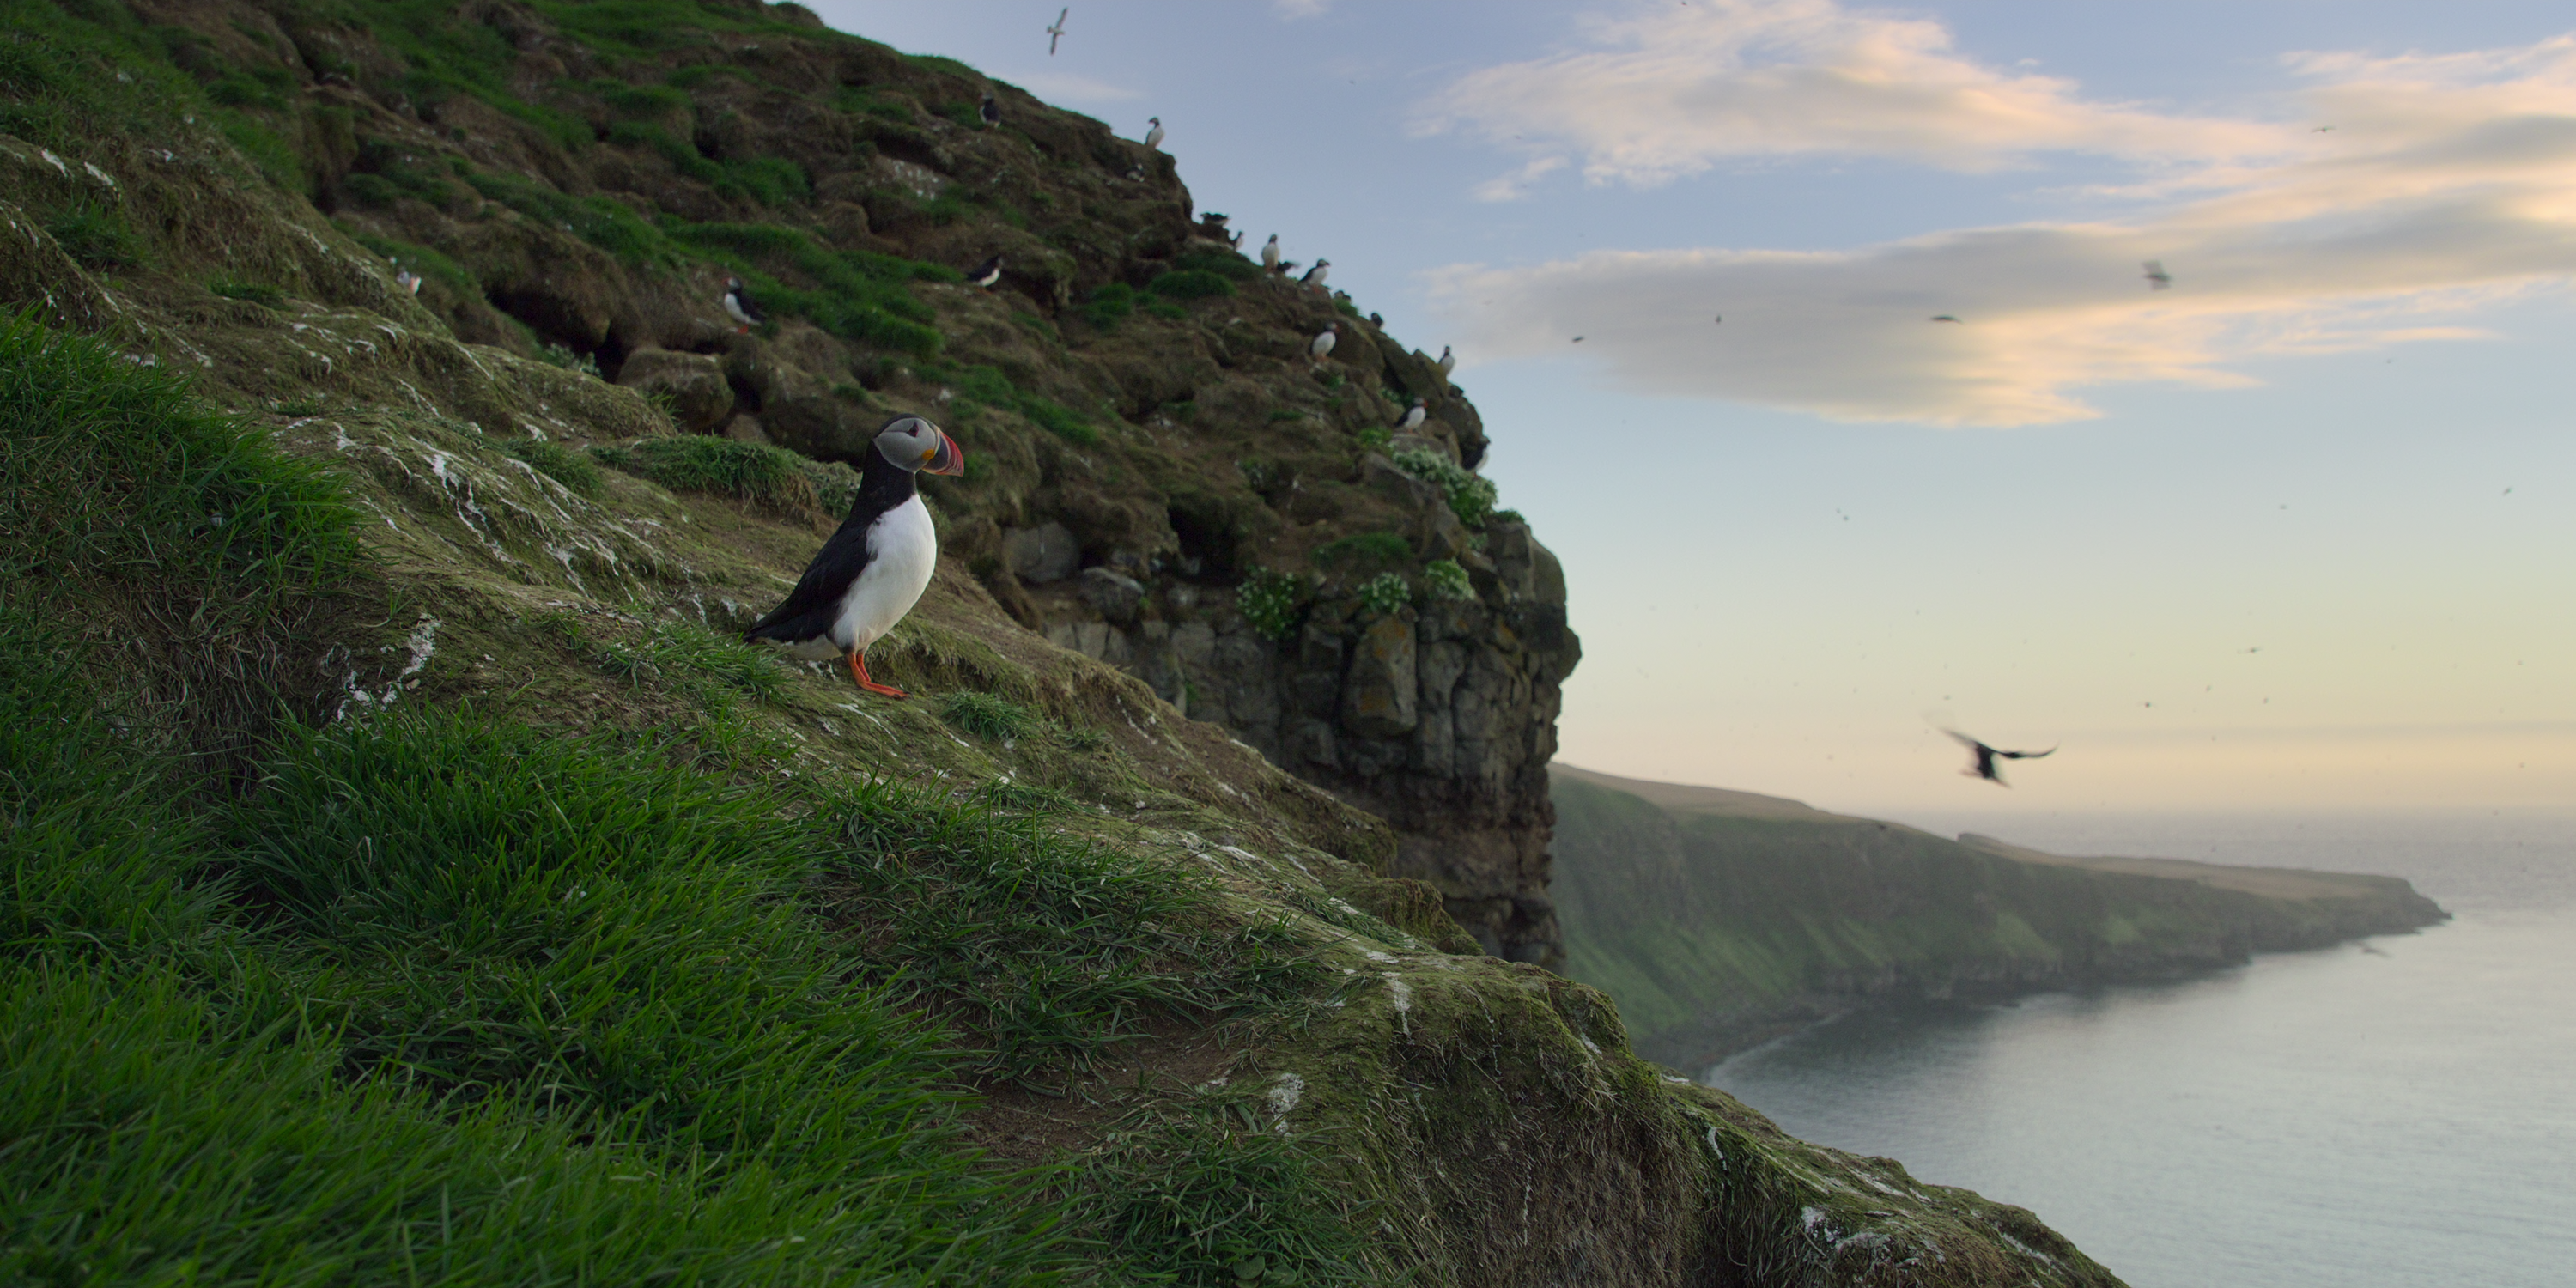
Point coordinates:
pixel 1190 284
pixel 1272 602
pixel 95 236
pixel 1210 1200
pixel 554 460
pixel 1110 305
pixel 419 259
pixel 1044 947
pixel 1366 548
pixel 987 386
pixel 1448 580
pixel 756 472
pixel 713 667
pixel 1471 498
pixel 857 295
pixel 259 293
pixel 988 716
pixel 1385 593
pixel 1223 263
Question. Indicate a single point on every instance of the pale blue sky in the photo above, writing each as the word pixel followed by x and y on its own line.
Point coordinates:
pixel 1811 529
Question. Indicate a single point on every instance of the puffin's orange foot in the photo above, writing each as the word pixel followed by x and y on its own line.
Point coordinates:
pixel 859 673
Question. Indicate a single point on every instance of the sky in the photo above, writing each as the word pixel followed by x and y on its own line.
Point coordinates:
pixel 2295 533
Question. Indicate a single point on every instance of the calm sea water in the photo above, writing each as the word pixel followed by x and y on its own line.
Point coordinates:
pixel 2396 1116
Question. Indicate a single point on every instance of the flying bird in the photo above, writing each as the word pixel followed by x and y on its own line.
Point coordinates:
pixel 1154 136
pixel 2323 129
pixel 1721 320
pixel 1985 767
pixel 1944 317
pixel 2157 278
pixel 987 273
pixel 1270 253
pixel 1315 276
pixel 1414 416
pixel 991 111
pixel 1448 362
pixel 1056 32
pixel 738 306
pixel 1322 345
pixel 874 568
pixel 1578 339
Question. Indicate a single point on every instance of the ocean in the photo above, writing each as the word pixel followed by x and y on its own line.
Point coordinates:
pixel 2395 1114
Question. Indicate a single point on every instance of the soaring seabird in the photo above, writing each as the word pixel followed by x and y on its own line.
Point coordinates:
pixel 1414 416
pixel 1322 344
pixel 1056 32
pixel 739 307
pixel 875 567
pixel 1154 136
pixel 2157 278
pixel 991 111
pixel 1448 362
pixel 987 273
pixel 1270 253
pixel 1315 276
pixel 1943 317
pixel 1985 767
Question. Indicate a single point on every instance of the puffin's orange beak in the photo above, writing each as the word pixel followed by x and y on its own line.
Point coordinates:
pixel 947 458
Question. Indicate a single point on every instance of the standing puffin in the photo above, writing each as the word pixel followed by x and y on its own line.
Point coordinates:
pixel 991 111
pixel 987 273
pixel 1270 253
pixel 1315 276
pixel 739 307
pixel 1414 417
pixel 875 567
pixel 408 280
pixel 1154 136
pixel 1322 345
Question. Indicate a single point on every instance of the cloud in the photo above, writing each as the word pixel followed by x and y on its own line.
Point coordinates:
pixel 2447 183
pixel 1062 87
pixel 1681 90
pixel 1294 9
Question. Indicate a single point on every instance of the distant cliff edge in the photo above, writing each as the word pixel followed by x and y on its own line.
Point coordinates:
pixel 1717 919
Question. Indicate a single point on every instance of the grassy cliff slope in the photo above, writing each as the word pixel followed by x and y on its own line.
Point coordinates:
pixel 1716 918
pixel 411 879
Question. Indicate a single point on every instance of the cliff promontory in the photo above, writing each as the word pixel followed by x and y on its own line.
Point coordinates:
pixel 1720 918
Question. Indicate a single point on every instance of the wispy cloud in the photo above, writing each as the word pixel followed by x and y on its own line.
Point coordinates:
pixel 1059 87
pixel 1681 90
pixel 2446 183
pixel 1301 8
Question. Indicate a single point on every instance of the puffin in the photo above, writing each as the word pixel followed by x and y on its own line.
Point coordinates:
pixel 1236 241
pixel 1414 417
pixel 876 565
pixel 408 280
pixel 1154 136
pixel 738 306
pixel 1322 345
pixel 1448 362
pixel 987 273
pixel 991 111
pixel 1315 276
pixel 1985 766
pixel 1270 253
pixel 2157 278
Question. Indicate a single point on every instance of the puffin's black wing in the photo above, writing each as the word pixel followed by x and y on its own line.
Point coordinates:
pixel 2025 755
pixel 1985 754
pixel 808 610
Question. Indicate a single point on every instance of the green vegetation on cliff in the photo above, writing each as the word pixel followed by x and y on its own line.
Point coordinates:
pixel 1716 918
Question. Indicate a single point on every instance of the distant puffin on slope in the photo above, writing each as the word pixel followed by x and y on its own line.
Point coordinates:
pixel 1322 345
pixel 738 305
pixel 1315 276
pixel 1154 136
pixel 987 273
pixel 875 567
pixel 991 111
pixel 1414 417
pixel 408 280
pixel 1448 362
pixel 1270 253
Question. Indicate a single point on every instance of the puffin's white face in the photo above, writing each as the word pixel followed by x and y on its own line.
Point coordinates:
pixel 911 443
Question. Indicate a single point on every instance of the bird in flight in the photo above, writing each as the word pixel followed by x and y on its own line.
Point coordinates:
pixel 2323 129
pixel 1056 32
pixel 2157 278
pixel 1985 766
pixel 1943 317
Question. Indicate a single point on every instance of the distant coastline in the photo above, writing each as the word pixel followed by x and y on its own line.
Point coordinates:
pixel 1720 919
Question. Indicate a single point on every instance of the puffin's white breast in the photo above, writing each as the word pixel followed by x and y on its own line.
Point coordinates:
pixel 903 550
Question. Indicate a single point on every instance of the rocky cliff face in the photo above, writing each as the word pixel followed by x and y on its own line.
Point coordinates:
pixel 1146 434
